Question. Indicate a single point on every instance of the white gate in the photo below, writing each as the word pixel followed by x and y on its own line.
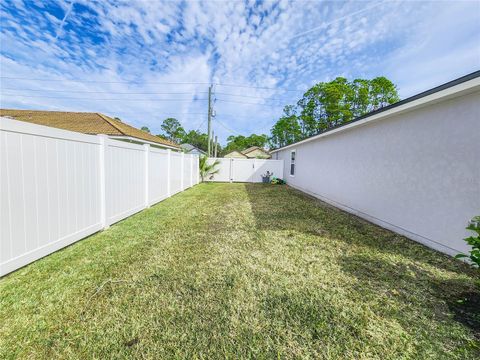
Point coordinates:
pixel 245 170
pixel 242 170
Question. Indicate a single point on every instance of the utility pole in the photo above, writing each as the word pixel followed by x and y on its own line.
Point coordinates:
pixel 216 145
pixel 209 118
pixel 212 143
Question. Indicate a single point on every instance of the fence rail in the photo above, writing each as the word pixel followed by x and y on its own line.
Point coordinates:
pixel 58 187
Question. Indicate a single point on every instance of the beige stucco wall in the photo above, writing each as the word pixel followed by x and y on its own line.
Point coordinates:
pixel 235 155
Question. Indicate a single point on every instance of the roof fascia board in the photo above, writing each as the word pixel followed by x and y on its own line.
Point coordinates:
pixel 130 138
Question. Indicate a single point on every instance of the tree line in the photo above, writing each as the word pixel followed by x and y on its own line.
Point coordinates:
pixel 173 130
pixel 330 104
pixel 324 106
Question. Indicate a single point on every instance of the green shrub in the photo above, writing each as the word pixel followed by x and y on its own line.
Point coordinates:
pixel 206 168
pixel 277 181
pixel 474 242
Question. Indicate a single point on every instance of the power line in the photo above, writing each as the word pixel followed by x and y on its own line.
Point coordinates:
pixel 246 116
pixel 180 113
pixel 107 93
pixel 259 87
pixel 138 93
pixel 105 82
pixel 251 97
pixel 102 99
pixel 201 124
pixel 227 128
pixel 142 93
pixel 249 103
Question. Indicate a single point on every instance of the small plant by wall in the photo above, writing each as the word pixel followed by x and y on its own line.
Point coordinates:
pixel 474 242
pixel 206 168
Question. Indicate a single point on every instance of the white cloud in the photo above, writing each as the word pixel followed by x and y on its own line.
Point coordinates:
pixel 138 46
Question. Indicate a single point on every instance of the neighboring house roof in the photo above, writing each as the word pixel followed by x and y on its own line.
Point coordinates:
pixel 250 149
pixel 84 122
pixel 190 147
pixel 453 88
pixel 235 153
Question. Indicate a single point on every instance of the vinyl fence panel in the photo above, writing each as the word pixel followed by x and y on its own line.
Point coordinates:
pixel 191 179
pixel 224 170
pixel 158 175
pixel 191 172
pixel 196 168
pixel 57 186
pixel 176 173
pixel 187 171
pixel 125 179
pixel 245 170
pixel 49 191
pixel 261 166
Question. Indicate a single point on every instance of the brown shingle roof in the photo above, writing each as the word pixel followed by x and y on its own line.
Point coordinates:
pixel 234 152
pixel 84 122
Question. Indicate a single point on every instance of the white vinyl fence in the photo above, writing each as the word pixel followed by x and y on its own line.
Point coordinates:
pixel 245 170
pixel 57 186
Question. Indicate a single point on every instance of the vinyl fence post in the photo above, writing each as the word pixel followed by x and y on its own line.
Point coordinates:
pixel 103 188
pixel 169 153
pixel 197 167
pixel 146 148
pixel 231 170
pixel 182 178
pixel 253 172
pixel 191 169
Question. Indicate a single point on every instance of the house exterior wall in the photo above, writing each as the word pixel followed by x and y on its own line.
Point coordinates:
pixel 416 173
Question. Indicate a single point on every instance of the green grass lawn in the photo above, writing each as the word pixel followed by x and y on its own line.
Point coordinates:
pixel 241 271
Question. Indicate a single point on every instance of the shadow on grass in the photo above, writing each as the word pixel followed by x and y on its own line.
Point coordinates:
pixel 284 208
pixel 280 208
pixel 415 287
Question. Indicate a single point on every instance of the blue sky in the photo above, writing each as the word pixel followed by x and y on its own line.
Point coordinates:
pixel 144 61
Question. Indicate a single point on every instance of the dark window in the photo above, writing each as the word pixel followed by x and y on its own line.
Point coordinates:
pixel 292 162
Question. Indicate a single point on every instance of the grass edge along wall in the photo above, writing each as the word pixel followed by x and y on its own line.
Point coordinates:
pixel 58 186
pixel 412 168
